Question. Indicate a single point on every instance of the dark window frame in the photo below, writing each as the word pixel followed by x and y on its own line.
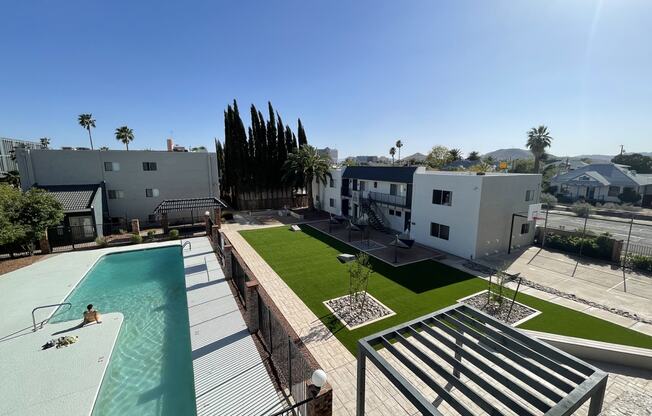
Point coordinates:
pixel 150 166
pixel 525 228
pixel 440 231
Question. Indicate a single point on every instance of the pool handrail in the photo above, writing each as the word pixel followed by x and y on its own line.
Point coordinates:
pixel 184 245
pixel 43 307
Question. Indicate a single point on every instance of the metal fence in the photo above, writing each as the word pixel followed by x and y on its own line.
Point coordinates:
pixel 293 369
pixel 635 235
pixel 239 278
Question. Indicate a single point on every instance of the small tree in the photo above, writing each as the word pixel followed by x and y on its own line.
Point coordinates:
pixel 38 212
pixel 474 155
pixel 548 200
pixel 437 157
pixel 360 271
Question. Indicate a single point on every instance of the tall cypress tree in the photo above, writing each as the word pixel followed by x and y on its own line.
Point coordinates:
pixel 219 155
pixel 302 134
pixel 272 150
pixel 289 142
pixel 280 144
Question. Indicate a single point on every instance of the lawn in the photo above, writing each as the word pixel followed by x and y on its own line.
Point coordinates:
pixel 307 262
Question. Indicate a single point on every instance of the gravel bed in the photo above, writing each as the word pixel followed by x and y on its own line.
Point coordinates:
pixel 354 317
pixel 487 270
pixel 499 310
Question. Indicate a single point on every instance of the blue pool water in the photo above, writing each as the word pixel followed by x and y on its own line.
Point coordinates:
pixel 150 372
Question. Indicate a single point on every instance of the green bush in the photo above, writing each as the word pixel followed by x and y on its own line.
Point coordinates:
pixel 629 195
pixel 548 200
pixel 173 234
pixel 101 241
pixel 640 262
pixel 150 235
pixel 582 209
pixel 136 239
pixel 599 247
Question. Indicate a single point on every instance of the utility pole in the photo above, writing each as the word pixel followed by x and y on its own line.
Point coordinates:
pixel 622 149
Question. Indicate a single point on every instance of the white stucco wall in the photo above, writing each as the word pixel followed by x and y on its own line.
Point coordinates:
pixel 326 192
pixel 461 216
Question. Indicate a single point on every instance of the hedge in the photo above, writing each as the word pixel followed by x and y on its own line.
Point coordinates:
pixel 599 247
pixel 640 262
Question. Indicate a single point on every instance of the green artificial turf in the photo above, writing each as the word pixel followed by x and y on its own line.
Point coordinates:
pixel 307 262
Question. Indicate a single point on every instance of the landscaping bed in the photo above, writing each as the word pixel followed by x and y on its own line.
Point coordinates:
pixel 503 311
pixel 353 316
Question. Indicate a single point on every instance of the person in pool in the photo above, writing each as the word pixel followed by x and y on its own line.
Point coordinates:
pixel 91 315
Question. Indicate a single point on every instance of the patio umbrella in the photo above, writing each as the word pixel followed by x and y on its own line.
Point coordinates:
pixel 397 243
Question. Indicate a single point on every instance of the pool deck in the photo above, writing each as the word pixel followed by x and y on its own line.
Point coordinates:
pixel 230 376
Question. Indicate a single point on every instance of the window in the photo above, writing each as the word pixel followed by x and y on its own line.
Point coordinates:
pixel 151 192
pixel 393 189
pixel 355 185
pixel 331 202
pixel 149 166
pixel 440 197
pixel 529 195
pixel 362 185
pixel 439 230
pixel 332 184
pixel 375 184
pixel 525 228
pixel 111 166
pixel 613 191
pixel 113 194
pixel 398 213
pixel 391 212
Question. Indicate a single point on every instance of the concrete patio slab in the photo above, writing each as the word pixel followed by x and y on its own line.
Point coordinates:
pixel 56 381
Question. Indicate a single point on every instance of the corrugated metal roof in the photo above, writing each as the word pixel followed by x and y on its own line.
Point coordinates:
pixel 402 174
pixel 73 198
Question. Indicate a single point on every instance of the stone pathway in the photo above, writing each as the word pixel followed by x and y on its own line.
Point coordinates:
pixel 340 365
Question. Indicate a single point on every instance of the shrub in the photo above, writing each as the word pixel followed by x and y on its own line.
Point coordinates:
pixel 173 234
pixel 599 247
pixel 582 209
pixel 548 200
pixel 150 235
pixel 136 239
pixel 102 242
pixel 640 262
pixel 629 195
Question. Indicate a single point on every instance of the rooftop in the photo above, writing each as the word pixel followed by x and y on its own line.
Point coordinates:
pixel 73 198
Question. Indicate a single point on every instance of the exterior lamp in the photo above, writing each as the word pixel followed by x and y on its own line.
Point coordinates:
pixel 319 378
pixel 207 213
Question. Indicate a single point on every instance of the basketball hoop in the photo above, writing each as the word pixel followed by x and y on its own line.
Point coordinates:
pixel 534 212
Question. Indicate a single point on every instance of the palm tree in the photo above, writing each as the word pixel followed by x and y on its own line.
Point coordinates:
pixel 45 142
pixel 87 121
pixel 303 166
pixel 125 135
pixel 392 152
pixel 538 139
pixel 399 144
pixel 455 154
pixel 474 155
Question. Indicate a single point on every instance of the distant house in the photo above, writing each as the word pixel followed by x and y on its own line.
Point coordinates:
pixel 329 153
pixel 7 155
pixel 602 182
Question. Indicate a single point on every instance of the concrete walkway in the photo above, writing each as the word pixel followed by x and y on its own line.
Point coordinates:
pixel 230 377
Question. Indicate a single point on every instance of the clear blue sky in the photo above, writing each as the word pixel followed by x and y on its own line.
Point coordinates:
pixel 468 74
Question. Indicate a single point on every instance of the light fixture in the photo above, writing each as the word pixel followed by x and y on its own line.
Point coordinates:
pixel 207 213
pixel 319 378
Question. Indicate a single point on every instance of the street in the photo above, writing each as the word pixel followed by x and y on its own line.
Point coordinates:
pixel 641 230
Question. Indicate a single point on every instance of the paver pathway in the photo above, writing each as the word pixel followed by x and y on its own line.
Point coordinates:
pixel 230 377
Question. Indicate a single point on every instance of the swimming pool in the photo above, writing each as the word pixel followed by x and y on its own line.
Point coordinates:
pixel 150 372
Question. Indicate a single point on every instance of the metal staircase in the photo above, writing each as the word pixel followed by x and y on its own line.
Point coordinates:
pixel 375 220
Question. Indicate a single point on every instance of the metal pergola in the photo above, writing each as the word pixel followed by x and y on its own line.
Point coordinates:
pixel 188 204
pixel 475 364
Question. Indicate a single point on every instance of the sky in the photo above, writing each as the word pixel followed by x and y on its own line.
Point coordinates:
pixel 473 75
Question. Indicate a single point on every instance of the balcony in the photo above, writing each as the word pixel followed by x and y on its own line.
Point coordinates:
pixel 395 200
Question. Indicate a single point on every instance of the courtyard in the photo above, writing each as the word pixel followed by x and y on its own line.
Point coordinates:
pixel 307 263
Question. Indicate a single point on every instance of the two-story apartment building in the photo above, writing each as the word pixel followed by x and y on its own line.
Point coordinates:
pixel 462 213
pixel 134 181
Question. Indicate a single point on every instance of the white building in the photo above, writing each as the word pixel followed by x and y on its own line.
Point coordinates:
pixel 7 147
pixel 134 182
pixel 465 214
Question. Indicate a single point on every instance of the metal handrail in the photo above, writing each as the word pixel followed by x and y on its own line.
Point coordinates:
pixel 43 307
pixel 390 199
pixel 184 245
